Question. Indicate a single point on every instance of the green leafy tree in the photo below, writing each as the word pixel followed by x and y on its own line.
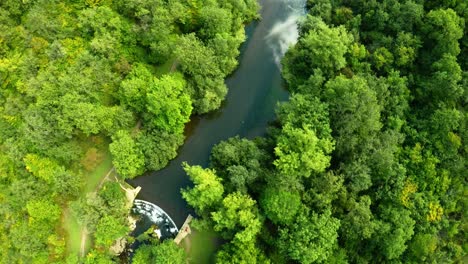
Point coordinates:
pixel 241 253
pixel 166 252
pixel 354 114
pixel 382 58
pixel 300 153
pixel 133 88
pixel 108 230
pixel 358 225
pixel 310 238
pixel 395 229
pixel 321 47
pixel 407 46
pixel 97 257
pixel 43 168
pixel 206 84
pixel 158 147
pixel 303 110
pixel 444 86
pixel 238 161
pixel 114 196
pixel 43 210
pixel 237 218
pixel 208 190
pixel 444 27
pixel 126 156
pixel 168 107
pixel 214 20
pixel 280 205
pixel 243 10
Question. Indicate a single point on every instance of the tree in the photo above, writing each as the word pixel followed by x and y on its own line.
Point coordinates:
pixel 168 106
pixel 280 205
pixel 383 59
pixel 133 88
pixel 127 158
pixel 43 210
pixel 444 28
pixel 322 47
pixel 158 147
pixel 165 252
pixel 237 218
pixel 354 114
pixel 406 48
pixel 357 226
pixel 243 10
pixel 214 20
pixel 303 110
pixel 327 187
pixel 97 257
pixel 108 230
pixel 445 124
pixel 238 161
pixel 43 168
pixel 320 8
pixel 444 86
pixel 208 190
pixel 226 50
pixel 114 196
pixel 237 252
pixel 422 246
pixel 68 185
pixel 395 230
pixel 310 238
pixel 206 85
pixel 300 153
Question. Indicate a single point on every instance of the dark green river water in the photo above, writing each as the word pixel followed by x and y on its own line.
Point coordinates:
pixel 255 88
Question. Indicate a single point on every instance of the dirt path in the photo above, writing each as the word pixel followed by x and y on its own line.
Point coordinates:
pixel 84 231
pixel 84 235
pixel 104 179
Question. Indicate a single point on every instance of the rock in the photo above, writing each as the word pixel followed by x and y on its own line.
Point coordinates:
pixel 132 222
pixel 118 247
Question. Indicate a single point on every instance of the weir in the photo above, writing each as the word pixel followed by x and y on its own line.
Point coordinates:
pixel 155 215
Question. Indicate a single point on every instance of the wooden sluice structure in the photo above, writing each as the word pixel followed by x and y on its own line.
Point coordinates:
pixel 184 230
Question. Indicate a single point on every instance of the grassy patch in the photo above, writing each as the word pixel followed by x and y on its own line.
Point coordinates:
pixel 73 229
pixel 93 178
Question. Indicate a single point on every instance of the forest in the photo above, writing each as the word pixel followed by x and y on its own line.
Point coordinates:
pixel 87 85
pixel 366 162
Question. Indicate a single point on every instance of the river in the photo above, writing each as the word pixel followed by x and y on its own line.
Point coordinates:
pixel 255 88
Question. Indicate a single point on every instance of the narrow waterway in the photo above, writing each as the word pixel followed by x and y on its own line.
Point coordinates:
pixel 254 90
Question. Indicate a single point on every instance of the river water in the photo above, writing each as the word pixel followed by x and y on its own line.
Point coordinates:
pixel 255 88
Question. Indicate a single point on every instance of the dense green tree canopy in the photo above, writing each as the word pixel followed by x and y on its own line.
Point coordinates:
pixel 366 162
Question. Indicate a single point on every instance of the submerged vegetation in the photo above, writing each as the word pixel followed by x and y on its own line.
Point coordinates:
pixel 366 163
